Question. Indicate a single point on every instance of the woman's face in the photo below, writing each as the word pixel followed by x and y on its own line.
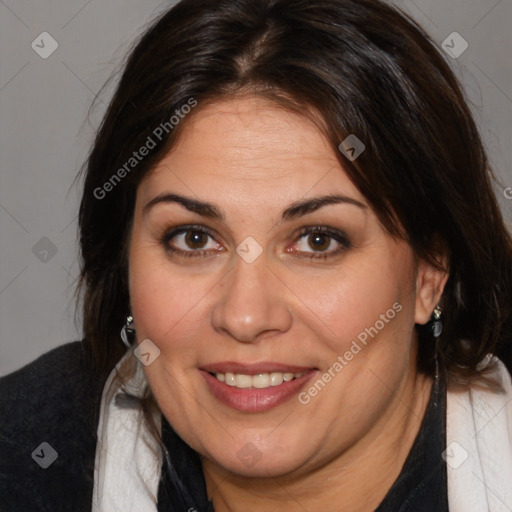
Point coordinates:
pixel 245 277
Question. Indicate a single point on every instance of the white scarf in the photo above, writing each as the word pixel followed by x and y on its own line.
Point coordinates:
pixel 478 431
pixel 481 423
pixel 126 455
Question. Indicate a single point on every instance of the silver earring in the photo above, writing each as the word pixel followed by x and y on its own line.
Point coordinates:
pixel 436 323
pixel 128 331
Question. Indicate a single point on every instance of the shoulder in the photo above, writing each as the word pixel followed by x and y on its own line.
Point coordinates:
pixel 479 443
pixel 49 413
pixel 52 363
pixel 486 401
pixel 57 383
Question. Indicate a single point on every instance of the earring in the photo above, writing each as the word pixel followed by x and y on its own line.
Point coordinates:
pixel 128 331
pixel 436 324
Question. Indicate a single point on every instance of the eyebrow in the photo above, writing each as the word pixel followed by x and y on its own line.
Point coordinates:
pixel 294 211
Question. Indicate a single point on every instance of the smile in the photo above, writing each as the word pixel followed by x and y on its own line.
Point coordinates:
pixel 255 388
pixel 259 381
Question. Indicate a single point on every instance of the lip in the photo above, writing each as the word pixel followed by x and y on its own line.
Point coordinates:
pixel 254 400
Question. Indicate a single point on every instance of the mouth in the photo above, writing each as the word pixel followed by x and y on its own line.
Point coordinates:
pixel 255 388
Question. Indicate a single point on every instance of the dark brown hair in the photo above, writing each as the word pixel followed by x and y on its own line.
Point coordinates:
pixel 366 69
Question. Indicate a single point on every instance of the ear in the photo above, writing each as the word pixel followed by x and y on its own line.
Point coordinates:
pixel 430 283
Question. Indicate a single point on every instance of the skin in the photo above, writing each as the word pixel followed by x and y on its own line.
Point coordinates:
pixel 343 450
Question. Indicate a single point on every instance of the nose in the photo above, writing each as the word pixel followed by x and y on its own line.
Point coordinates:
pixel 252 302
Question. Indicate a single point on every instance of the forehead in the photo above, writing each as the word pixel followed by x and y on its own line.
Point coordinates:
pixel 249 150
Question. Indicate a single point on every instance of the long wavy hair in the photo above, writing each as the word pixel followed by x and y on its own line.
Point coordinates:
pixel 365 68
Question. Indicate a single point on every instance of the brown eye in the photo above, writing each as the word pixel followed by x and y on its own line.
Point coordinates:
pixel 190 241
pixel 196 239
pixel 319 241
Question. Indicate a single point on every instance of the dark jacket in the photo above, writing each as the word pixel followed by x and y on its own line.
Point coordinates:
pixel 55 399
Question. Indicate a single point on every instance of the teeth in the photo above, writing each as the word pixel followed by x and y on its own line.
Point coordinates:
pixel 276 379
pixel 260 381
pixel 243 381
pixel 230 379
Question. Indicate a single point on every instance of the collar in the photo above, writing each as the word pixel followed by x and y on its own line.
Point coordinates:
pixel 128 460
pixel 421 485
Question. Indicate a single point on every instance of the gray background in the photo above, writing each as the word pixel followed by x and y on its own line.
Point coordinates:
pixel 46 130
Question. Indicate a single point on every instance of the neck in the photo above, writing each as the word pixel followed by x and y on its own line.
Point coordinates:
pixel 356 480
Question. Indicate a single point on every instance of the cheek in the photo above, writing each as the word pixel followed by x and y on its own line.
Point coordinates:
pixel 164 302
pixel 366 298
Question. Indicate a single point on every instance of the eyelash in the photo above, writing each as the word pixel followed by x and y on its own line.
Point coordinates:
pixel 338 236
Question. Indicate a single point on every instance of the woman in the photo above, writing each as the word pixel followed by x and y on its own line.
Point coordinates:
pixel 289 212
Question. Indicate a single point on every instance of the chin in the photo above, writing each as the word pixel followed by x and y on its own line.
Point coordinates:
pixel 254 460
